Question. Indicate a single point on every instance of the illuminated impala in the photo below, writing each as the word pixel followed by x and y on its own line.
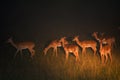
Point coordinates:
pixel 54 44
pixel 86 44
pixel 69 48
pixel 108 40
pixel 105 50
pixel 23 45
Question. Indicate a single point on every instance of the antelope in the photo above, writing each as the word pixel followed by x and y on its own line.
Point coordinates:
pixel 69 48
pixel 86 44
pixel 104 50
pixel 108 40
pixel 23 45
pixel 54 44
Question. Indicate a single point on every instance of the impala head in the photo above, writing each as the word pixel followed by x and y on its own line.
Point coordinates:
pixel 75 38
pixel 59 44
pixel 63 40
pixel 95 34
pixel 109 41
pixel 10 40
pixel 104 41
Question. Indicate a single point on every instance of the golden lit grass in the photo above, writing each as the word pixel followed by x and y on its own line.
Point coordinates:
pixel 89 67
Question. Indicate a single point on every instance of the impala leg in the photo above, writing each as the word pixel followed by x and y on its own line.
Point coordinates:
pixel 102 58
pixel 16 53
pixel 95 51
pixel 83 51
pixel 110 57
pixel 46 49
pixel 55 51
pixel 21 53
pixel 77 57
pixel 106 58
pixel 66 56
pixel 33 53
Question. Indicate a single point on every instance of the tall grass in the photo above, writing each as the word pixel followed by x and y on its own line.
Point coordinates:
pixel 50 67
pixel 89 67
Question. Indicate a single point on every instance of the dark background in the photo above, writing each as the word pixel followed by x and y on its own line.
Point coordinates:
pixel 41 21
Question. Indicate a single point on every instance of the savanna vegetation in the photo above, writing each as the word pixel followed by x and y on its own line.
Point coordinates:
pixel 50 67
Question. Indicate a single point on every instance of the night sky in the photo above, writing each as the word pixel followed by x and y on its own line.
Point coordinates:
pixel 41 21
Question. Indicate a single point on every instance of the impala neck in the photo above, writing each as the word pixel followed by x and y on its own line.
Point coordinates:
pixel 95 35
pixel 64 43
pixel 100 45
pixel 78 42
pixel 13 44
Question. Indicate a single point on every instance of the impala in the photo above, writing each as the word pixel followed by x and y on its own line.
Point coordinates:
pixel 23 45
pixel 69 48
pixel 108 40
pixel 54 44
pixel 86 44
pixel 105 39
pixel 105 50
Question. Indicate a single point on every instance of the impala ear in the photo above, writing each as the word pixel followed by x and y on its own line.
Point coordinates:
pixel 64 37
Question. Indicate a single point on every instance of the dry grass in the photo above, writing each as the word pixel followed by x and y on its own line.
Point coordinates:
pixel 50 67
pixel 89 67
